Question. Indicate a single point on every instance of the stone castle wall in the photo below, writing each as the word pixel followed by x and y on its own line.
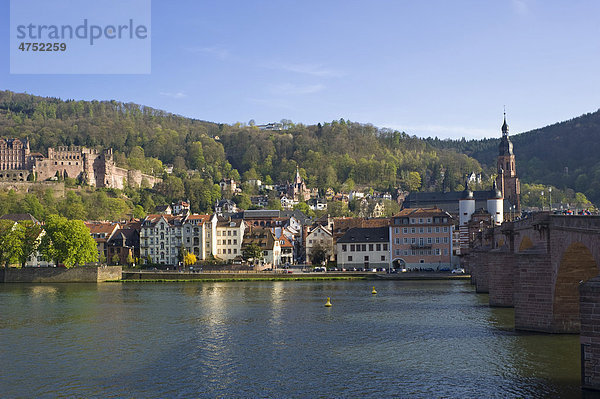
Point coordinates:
pixel 96 168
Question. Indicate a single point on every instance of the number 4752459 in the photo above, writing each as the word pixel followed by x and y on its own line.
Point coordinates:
pixel 43 46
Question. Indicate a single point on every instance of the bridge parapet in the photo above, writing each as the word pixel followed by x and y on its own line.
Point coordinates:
pixel 580 223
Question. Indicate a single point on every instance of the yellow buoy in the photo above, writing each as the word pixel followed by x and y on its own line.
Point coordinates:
pixel 328 303
pixel 373 292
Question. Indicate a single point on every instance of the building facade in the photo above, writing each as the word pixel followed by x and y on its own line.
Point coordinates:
pixel 421 238
pixel 364 248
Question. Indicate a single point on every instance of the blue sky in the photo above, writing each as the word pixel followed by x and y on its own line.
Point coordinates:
pixel 430 68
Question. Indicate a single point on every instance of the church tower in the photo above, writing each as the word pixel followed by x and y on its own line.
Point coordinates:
pixel 507 180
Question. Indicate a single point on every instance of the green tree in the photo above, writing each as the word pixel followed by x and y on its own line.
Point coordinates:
pixel 11 242
pixel 252 252
pixel 115 259
pixel 318 254
pixel 31 239
pixel 68 242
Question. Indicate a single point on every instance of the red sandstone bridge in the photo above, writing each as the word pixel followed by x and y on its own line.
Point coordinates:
pixel 536 266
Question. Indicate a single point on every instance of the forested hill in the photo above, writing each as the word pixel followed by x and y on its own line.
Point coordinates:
pixel 339 154
pixel 543 154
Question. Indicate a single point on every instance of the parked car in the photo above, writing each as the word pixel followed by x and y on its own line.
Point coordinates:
pixel 460 270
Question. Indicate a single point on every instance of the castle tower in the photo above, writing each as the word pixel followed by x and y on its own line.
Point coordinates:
pixel 495 205
pixel 466 206
pixel 507 180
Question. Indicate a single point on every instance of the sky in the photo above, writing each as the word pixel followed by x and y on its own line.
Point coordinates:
pixel 429 68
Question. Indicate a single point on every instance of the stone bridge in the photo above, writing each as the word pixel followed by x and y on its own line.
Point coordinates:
pixel 536 266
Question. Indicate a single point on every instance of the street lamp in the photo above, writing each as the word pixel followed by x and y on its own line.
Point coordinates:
pixel 550 195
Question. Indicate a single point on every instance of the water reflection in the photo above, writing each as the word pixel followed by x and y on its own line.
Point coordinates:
pixel 274 339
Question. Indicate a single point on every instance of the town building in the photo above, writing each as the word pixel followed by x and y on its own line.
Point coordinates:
pixel 364 248
pixel 421 238
pixel 269 245
pixel 229 236
pixel 163 238
pixel 124 245
pixel 319 237
pixel 101 232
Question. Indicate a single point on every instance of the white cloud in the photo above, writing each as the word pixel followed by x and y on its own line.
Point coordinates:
pixel 177 95
pixel 292 89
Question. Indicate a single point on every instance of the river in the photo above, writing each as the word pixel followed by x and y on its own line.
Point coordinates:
pixel 417 339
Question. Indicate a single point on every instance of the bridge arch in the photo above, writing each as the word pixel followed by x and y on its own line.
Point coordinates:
pixel 577 264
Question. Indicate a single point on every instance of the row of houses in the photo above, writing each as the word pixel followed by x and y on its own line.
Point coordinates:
pixel 414 238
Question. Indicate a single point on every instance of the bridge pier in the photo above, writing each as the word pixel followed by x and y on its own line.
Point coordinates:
pixel 589 305
pixel 502 270
pixel 534 295
pixel 479 269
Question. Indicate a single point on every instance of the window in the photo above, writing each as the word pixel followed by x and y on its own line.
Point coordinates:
pixel 428 240
pixel 364 247
pixel 421 230
pixel 378 246
pixel 413 240
pixel 351 247
pixel 350 258
pixel 229 233
pixel 413 230
pixel 385 247
pixel 422 261
pixel 429 229
pixel 370 247
pixel 382 257
pixel 445 229
pixel 420 221
pixel 366 258
pixel 396 230
pixel 445 240
pixel 405 240
pixel 437 240
pixel 344 247
pixel 428 220
pixel 405 230
pixel 235 241
pixel 437 229
pixel 234 251
pixel 235 232
pixel 445 251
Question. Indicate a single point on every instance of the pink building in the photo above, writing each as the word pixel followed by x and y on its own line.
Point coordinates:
pixel 422 238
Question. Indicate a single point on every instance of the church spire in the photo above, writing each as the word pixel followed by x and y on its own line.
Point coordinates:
pixel 505 125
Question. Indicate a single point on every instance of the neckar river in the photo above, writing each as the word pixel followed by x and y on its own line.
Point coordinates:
pixel 424 339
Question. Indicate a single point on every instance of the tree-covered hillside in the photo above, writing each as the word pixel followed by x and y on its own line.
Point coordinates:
pixel 339 154
pixel 564 155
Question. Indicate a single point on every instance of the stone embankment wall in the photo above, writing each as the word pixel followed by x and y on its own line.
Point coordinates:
pixel 84 274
